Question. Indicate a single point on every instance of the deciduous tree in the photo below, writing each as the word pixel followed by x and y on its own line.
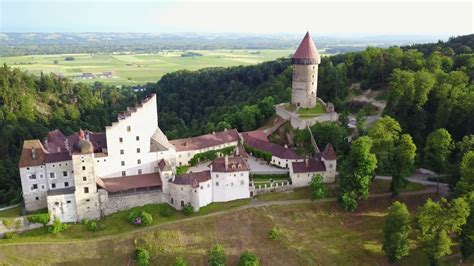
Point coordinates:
pixel 396 231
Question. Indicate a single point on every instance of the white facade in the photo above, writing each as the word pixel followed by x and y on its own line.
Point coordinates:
pixel 63 206
pixel 230 186
pixel 284 163
pixel 34 186
pixel 183 157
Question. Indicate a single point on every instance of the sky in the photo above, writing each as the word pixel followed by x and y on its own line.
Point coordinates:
pixel 349 17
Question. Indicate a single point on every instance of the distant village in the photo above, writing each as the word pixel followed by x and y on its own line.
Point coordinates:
pixel 88 75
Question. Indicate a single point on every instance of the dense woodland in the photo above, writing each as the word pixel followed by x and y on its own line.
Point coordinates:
pixel 425 91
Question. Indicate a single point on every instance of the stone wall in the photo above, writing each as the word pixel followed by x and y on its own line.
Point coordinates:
pixel 17 225
pixel 272 187
pixel 121 202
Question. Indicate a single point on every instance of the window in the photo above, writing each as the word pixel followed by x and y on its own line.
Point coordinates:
pixel 217 175
pixel 172 201
pixel 87 200
pixel 84 178
pixel 241 182
pixel 32 176
pixel 139 171
pixel 59 164
pixel 66 164
pixel 217 184
pixel 231 184
pixel 138 150
pixel 182 203
pixel 53 185
pixel 208 185
pixel 120 140
pixel 35 186
pixel 66 184
pixel 202 187
pixel 139 161
pixel 121 152
pixel 129 128
pixel 86 190
pixel 54 165
pixel 37 198
pixel 123 163
pixel 64 173
pixel 42 186
pixel 124 173
pixel 83 168
pixel 56 203
pixel 68 202
pixel 137 138
pixel 27 168
pixel 41 176
pixel 241 174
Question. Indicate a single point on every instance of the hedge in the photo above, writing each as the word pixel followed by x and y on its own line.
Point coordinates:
pixel 42 218
pixel 267 156
pixel 210 155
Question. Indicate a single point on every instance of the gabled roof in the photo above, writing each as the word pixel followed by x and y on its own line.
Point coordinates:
pixel 206 141
pixel 192 179
pixel 32 154
pixel 164 165
pixel 329 153
pixel 307 49
pixel 309 166
pixel 274 149
pixel 256 134
pixel 234 164
pixel 125 183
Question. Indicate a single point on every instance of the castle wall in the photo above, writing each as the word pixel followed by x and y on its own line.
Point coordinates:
pixel 34 186
pixel 230 186
pixel 60 174
pixel 304 85
pixel 122 202
pixel 63 207
pixel 87 198
pixel 183 157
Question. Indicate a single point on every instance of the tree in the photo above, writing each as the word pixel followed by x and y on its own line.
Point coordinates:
pixel 403 163
pixel 318 188
pixel 467 230
pixel 248 259
pixel 466 168
pixel 142 256
pixel 217 256
pixel 221 126
pixel 437 151
pixel 396 231
pixel 437 221
pixel 356 172
pixel 329 132
pixel 384 134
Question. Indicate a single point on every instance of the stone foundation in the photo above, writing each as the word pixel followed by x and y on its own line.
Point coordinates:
pixel 121 202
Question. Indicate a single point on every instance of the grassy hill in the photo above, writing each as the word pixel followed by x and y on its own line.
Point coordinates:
pixel 135 69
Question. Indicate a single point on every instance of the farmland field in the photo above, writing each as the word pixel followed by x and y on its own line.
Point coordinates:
pixel 134 69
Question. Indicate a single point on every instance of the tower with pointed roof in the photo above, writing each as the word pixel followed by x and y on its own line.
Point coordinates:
pixel 305 74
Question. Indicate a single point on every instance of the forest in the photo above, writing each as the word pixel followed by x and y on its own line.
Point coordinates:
pixel 427 87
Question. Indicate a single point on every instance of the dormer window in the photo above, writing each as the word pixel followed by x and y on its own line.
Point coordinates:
pixel 129 128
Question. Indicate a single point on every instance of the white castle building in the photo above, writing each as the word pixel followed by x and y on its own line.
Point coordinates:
pixel 88 175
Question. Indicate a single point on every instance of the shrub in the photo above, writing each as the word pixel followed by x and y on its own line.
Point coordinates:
pixel 9 235
pixel 318 188
pixel 7 222
pixel 57 226
pixel 166 211
pixel 179 261
pixel 217 256
pixel 42 218
pixel 274 233
pixel 248 259
pixel 140 218
pixel 142 256
pixel 188 209
pixel 90 225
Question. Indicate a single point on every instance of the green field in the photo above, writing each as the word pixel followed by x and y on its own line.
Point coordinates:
pixel 133 69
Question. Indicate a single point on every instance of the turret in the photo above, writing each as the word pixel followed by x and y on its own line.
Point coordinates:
pixel 305 74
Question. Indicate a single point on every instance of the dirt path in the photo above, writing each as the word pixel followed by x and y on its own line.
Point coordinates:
pixel 254 204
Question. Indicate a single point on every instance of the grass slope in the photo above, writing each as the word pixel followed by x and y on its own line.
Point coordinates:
pixel 140 68
pixel 312 234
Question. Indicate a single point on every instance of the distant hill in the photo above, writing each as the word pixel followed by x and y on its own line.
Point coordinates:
pixel 460 45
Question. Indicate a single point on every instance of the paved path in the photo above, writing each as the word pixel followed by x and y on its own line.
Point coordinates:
pixel 422 179
pixel 253 204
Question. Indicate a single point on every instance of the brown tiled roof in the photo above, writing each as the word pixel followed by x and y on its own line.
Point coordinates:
pixel 274 149
pixel 256 134
pixel 242 151
pixel 306 49
pixel 311 167
pixel 234 164
pixel 193 179
pixel 58 157
pixel 164 165
pixel 206 141
pixel 61 191
pixel 56 141
pixel 98 140
pixel 129 182
pixel 26 157
pixel 329 153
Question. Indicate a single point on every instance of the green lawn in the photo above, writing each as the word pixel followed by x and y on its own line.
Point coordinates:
pixel 133 69
pixel 14 212
pixel 308 112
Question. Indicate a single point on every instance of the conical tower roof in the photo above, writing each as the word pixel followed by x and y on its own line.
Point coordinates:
pixel 307 51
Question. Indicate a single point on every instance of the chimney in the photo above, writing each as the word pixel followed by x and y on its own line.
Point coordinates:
pixel 33 154
pixel 213 132
pixel 286 146
pixel 46 143
pixel 66 144
pixel 306 161
pixel 225 129
pixel 226 161
pixel 58 149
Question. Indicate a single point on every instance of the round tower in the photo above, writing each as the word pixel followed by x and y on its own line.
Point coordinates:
pixel 305 74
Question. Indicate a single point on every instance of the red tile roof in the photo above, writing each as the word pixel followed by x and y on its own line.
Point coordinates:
pixel 256 134
pixel 193 179
pixel 307 49
pixel 30 158
pixel 234 164
pixel 206 141
pixel 329 153
pixel 125 183
pixel 310 166
pixel 274 149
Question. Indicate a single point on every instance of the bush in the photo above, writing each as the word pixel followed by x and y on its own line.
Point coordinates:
pixel 210 155
pixel 9 235
pixel 217 256
pixel 274 233
pixel 57 226
pixel 248 259
pixel 42 218
pixel 140 218
pixel 179 261
pixel 166 211
pixel 188 209
pixel 90 225
pixel 318 188
pixel 142 256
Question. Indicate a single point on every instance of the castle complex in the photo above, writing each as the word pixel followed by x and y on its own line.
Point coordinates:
pixel 88 175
